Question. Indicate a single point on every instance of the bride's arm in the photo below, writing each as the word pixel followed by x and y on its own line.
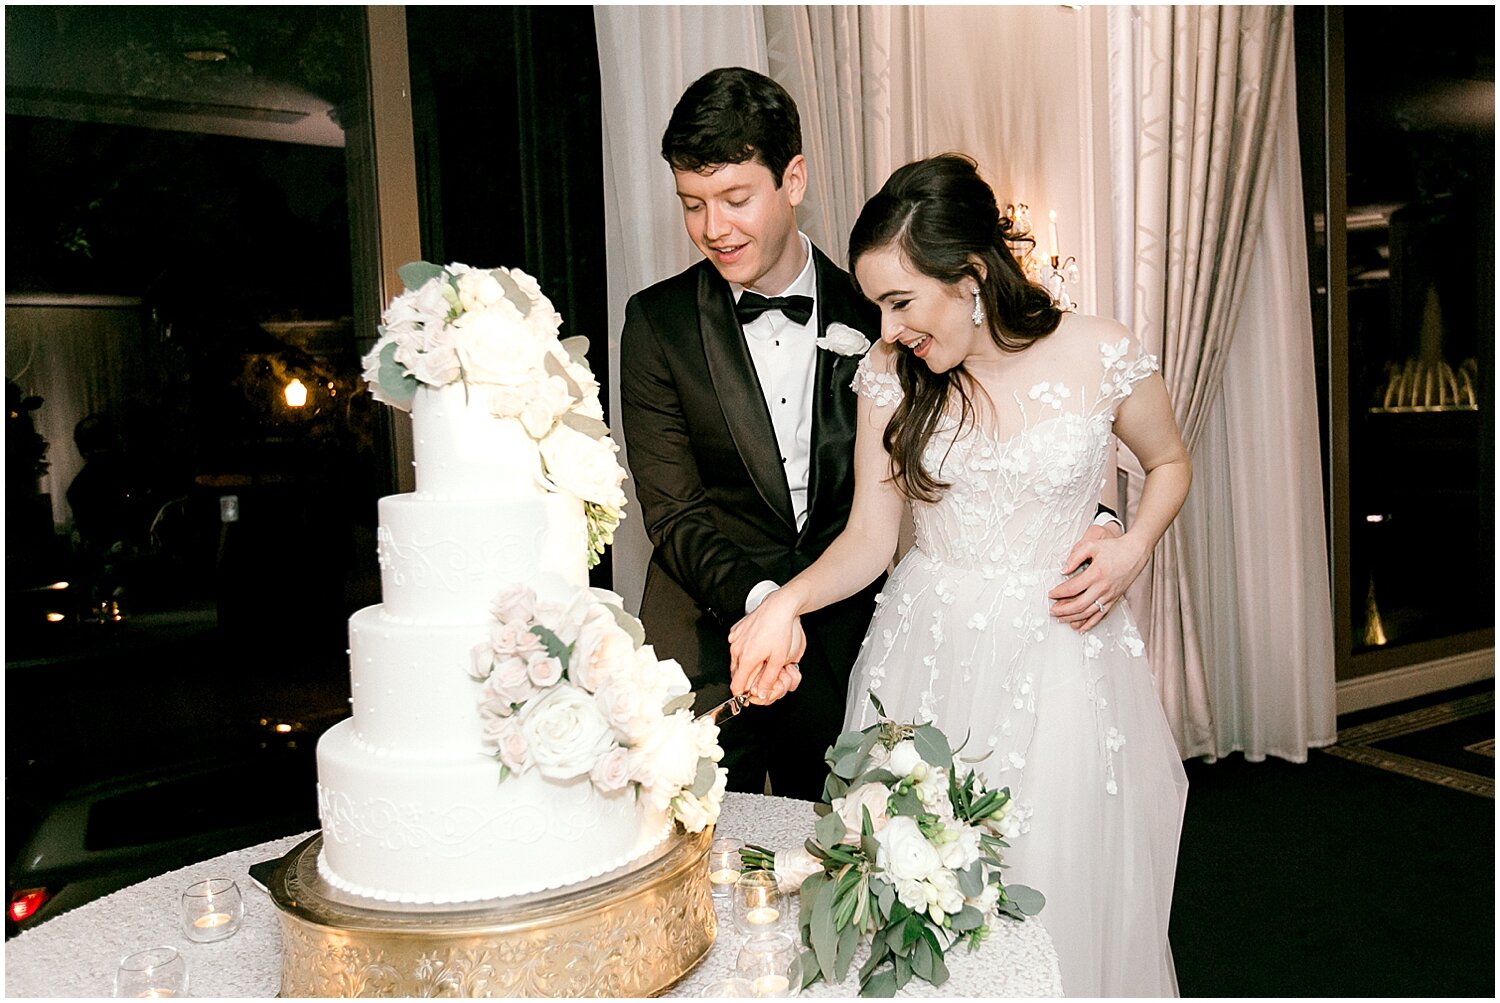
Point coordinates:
pixel 1145 423
pixel 852 561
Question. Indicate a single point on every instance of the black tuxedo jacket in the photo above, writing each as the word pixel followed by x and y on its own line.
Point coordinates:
pixel 708 473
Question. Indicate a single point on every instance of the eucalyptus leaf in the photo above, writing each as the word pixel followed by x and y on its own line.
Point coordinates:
pixel 555 646
pixel 932 745
pixel 825 939
pixel 971 880
pixel 876 776
pixel 1026 899
pixel 810 972
pixel 577 348
pixel 416 274
pixel 902 966
pixel 966 919
pixel 921 960
pixel 821 809
pixel 939 969
pixel 684 702
pixel 846 743
pixel 885 894
pixel 707 774
pixel 881 985
pixel 878 953
pixel 591 427
pixel 555 368
pixel 399 384
pixel 513 292
pixel 834 787
pixel 870 845
pixel 829 829
pixel 628 624
pixel 906 804
pixel 848 765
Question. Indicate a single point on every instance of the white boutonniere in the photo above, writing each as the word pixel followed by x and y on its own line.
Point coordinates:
pixel 841 339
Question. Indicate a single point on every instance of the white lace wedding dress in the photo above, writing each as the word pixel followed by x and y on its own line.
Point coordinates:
pixel 1069 722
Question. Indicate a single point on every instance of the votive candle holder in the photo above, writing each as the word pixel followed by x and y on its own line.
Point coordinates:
pixel 212 910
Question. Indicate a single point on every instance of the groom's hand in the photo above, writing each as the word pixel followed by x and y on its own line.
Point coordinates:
pixel 764 652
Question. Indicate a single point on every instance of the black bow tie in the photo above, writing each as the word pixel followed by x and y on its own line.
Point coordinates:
pixel 797 309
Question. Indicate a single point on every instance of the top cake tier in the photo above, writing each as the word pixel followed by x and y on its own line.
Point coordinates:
pixel 462 451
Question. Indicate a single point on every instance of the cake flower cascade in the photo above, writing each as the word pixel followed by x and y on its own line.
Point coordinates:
pixel 573 692
pixel 496 333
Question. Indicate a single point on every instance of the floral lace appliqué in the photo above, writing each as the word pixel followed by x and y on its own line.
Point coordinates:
pixel 882 389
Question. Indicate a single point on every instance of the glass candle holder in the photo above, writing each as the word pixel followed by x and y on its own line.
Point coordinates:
pixel 212 910
pixel 723 865
pixel 155 973
pixel 772 964
pixel 729 987
pixel 756 903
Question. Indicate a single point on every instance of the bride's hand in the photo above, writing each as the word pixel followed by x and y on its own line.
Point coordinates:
pixel 1114 562
pixel 761 647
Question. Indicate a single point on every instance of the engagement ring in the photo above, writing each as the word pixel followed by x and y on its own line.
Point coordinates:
pixel 1099 604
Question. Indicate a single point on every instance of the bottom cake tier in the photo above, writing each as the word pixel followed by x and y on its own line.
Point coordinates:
pixel 447 829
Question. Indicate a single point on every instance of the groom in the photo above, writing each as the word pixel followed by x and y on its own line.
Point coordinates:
pixel 739 428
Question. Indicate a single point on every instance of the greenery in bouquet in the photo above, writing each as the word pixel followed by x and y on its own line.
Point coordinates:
pixel 496 333
pixel 905 859
pixel 573 691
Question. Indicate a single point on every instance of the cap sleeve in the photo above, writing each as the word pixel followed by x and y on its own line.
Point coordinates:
pixel 1124 366
pixel 882 389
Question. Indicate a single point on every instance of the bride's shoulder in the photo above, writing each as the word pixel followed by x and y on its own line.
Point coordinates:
pixel 881 358
pixel 1096 338
pixel 875 376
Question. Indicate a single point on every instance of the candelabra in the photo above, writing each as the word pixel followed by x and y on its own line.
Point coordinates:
pixel 1050 271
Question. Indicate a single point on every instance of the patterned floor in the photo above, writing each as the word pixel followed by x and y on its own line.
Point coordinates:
pixel 1450 743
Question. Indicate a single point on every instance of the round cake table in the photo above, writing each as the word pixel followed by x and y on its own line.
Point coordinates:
pixel 76 953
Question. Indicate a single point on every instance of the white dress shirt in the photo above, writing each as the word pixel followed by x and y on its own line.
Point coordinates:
pixel 784 354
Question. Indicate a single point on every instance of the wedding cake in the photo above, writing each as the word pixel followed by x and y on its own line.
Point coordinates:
pixel 512 732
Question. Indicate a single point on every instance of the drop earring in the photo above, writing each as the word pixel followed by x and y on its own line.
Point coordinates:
pixel 978 315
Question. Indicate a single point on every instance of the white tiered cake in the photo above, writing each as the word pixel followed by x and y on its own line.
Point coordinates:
pixel 511 733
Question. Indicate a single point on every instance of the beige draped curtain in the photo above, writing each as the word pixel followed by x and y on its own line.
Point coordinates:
pixel 1210 86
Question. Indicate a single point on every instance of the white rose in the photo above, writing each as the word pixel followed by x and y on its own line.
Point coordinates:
pixel 565 733
pixel 511 639
pixel 509 681
pixel 841 339
pixel 851 806
pixel 437 366
pixel 986 900
pixel 904 759
pixel 612 771
pixel 691 811
pixel 602 653
pixel 542 317
pixel 904 852
pixel 664 677
pixel 543 669
pixel 795 866
pixel 495 346
pixel 550 401
pixel 666 760
pixel 584 466
pixel 514 604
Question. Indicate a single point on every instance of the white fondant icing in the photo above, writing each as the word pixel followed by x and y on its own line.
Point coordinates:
pixel 462 451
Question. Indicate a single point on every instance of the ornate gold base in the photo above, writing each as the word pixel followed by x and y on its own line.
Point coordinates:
pixel 634 932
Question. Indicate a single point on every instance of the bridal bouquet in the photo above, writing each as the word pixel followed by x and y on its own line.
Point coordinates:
pixel 905 860
pixel 497 334
pixel 573 691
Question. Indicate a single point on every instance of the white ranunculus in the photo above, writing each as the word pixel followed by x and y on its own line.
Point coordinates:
pixel 795 866
pixel 904 852
pixel 962 849
pixel 612 771
pixel 851 806
pixel 986 900
pixel 496 346
pixel 913 894
pixel 584 466
pixel 514 604
pixel 667 758
pixel 478 290
pixel 904 759
pixel 603 652
pixel 565 733
pixel 841 339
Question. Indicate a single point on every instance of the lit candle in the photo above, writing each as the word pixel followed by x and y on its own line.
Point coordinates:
pixel 212 920
pixel 762 915
pixel 724 876
pixel 771 985
pixel 154 994
pixel 1052 235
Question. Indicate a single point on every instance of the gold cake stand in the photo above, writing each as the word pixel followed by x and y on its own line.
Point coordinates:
pixel 633 932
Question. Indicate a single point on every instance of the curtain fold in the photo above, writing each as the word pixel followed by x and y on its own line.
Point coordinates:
pixel 1238 623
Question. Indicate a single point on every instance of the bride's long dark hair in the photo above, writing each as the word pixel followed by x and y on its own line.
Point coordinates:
pixel 942 217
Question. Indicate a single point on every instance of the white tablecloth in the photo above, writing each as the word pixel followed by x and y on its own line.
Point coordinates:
pixel 76 953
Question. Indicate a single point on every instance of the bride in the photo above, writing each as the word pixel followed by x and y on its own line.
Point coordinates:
pixel 990 412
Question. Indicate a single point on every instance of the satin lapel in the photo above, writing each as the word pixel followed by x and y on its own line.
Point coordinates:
pixel 739 393
pixel 834 405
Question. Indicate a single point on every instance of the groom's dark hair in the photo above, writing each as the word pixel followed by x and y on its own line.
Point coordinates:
pixel 729 116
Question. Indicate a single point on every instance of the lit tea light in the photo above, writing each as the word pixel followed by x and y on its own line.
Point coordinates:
pixel 771 985
pixel 212 920
pixel 762 915
pixel 725 876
